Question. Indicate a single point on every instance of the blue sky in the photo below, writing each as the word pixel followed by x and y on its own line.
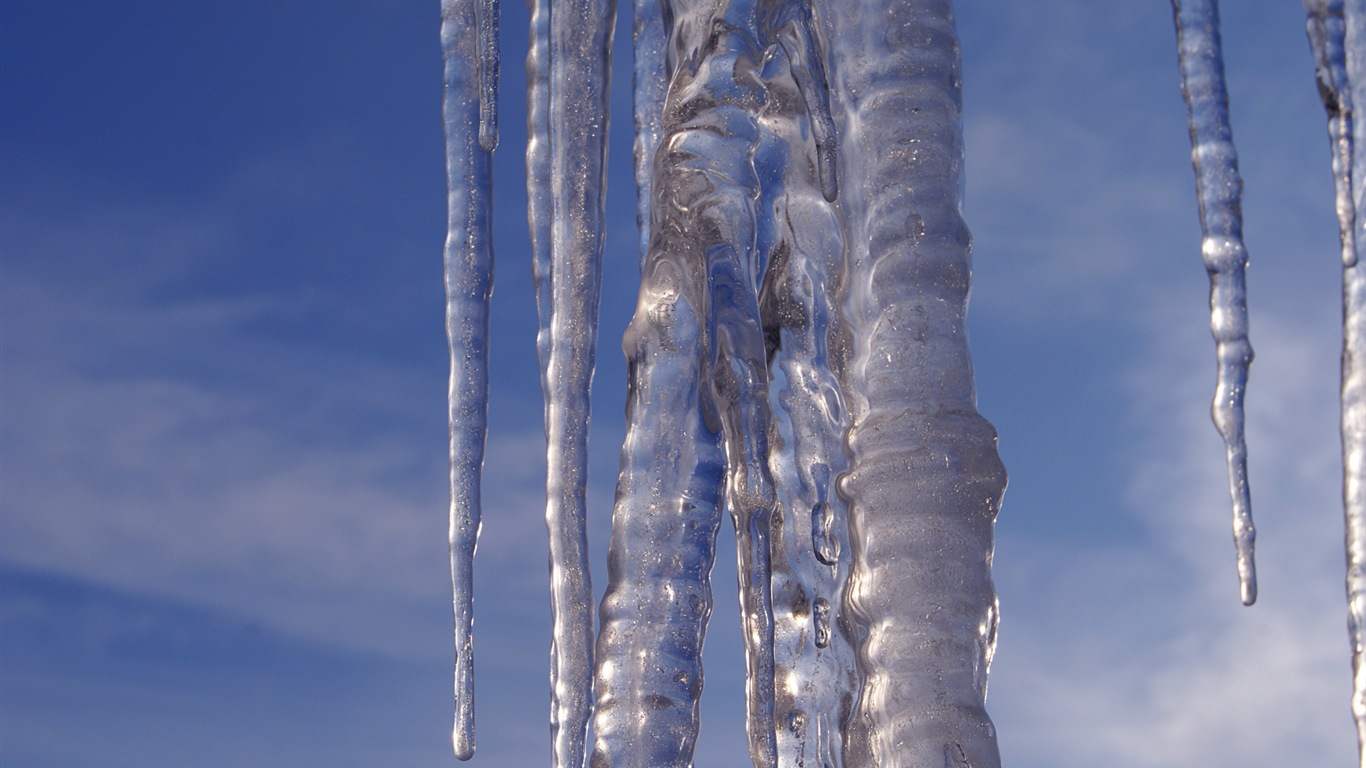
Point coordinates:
pixel 222 382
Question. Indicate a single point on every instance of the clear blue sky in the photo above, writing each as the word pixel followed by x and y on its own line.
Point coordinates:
pixel 222 382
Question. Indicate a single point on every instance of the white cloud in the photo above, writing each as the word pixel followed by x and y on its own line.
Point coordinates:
pixel 1140 655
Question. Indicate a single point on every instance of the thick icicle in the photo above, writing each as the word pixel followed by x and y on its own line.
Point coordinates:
pixel 1337 35
pixel 569 69
pixel 698 317
pixel 664 524
pixel 469 281
pixel 815 673
pixel 486 15
pixel 1219 189
pixel 926 481
pixel 650 81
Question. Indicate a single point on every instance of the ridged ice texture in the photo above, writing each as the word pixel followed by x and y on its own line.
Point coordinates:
pixel 649 83
pixel 698 403
pixel 1337 35
pixel 568 69
pixel 469 281
pixel 815 672
pixel 926 481
pixel 1219 190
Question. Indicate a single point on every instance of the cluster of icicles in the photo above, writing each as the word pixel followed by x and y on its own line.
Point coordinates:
pixel 798 359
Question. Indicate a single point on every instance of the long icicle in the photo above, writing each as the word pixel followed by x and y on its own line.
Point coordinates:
pixel 469 282
pixel 815 671
pixel 576 117
pixel 698 405
pixel 1354 374
pixel 1219 190
pixel 1339 73
pixel 925 483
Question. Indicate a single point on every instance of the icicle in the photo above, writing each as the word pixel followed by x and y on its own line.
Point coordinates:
pixel 469 281
pixel 1219 190
pixel 925 482
pixel 649 85
pixel 815 672
pixel 568 67
pixel 540 209
pixel 486 14
pixel 664 526
pixel 698 372
pixel 1337 35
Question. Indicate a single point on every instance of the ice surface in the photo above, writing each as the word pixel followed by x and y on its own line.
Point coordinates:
pixel 1219 190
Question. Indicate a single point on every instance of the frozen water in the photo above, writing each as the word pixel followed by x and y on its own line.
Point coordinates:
pixel 1219 190
pixel 798 360
pixel 469 281
pixel 1337 36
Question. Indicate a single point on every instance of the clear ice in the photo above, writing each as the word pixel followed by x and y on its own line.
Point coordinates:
pixel 1337 36
pixel 469 282
pixel 1219 190
pixel 569 67
pixel 798 359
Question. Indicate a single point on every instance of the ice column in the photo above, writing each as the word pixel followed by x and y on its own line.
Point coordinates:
pixel 1219 190
pixel 926 481
pixel 1337 35
pixel 469 280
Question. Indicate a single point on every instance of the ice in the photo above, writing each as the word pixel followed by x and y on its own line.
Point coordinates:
pixel 925 481
pixel 1219 190
pixel 1337 36
pixel 570 110
pixel 469 281
pixel 648 86
pixel 487 62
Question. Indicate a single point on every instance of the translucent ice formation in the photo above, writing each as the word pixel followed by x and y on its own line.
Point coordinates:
pixel 1219 190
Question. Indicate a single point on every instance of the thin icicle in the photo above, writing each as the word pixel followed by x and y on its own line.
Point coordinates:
pixel 469 281
pixel 540 209
pixel 575 121
pixel 649 83
pixel 1354 375
pixel 925 482
pixel 486 14
pixel 1219 189
pixel 1337 33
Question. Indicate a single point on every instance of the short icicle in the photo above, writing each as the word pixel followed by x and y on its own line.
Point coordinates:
pixel 469 282
pixel 925 481
pixel 486 15
pixel 569 107
pixel 1219 190
pixel 1337 35
pixel 649 83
